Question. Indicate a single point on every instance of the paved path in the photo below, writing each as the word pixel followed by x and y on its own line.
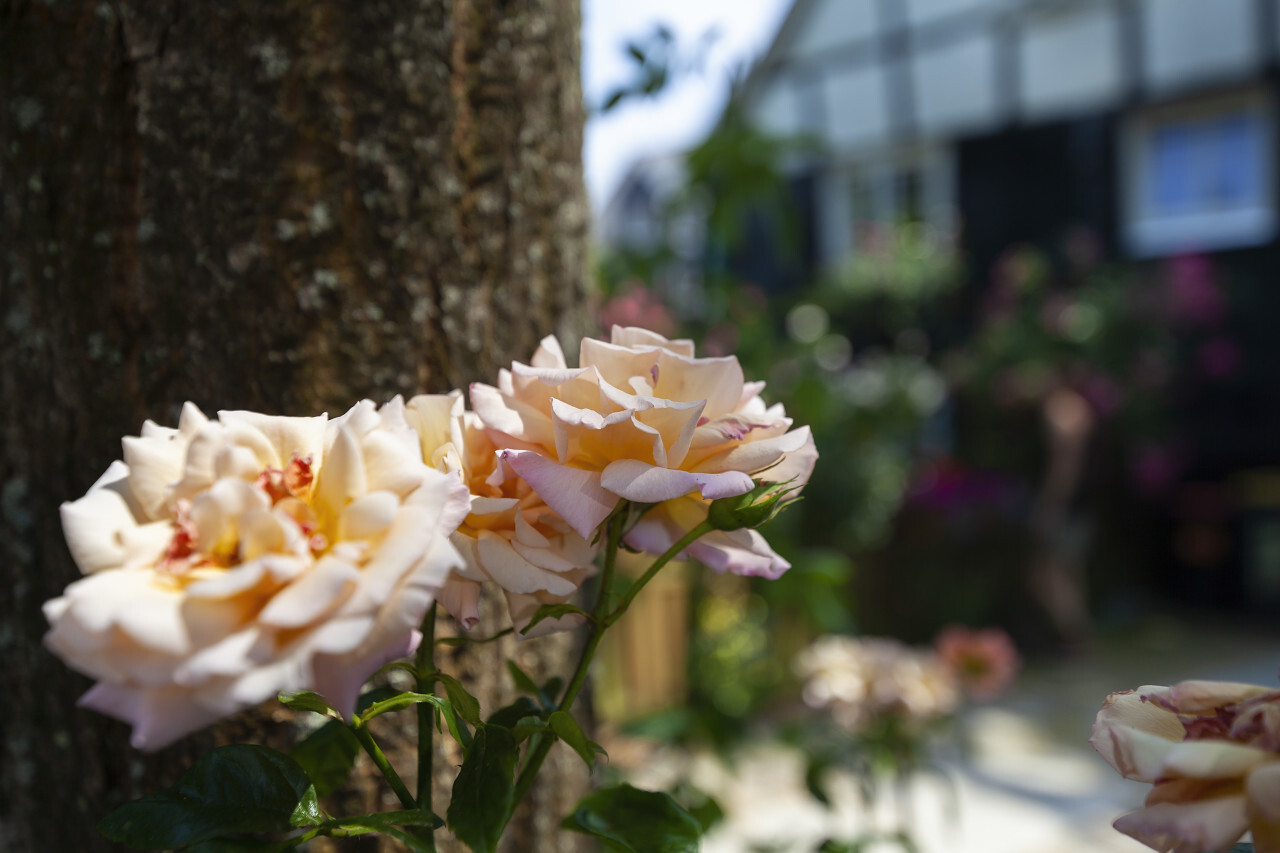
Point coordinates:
pixel 1031 783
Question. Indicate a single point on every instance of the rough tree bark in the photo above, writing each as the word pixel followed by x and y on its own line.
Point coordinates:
pixel 281 206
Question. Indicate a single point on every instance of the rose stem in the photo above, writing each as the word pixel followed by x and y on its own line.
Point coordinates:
pixel 600 620
pixel 425 670
pixel 393 778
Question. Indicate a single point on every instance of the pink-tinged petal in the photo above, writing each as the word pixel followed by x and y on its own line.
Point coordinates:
pixel 1213 759
pixel 573 493
pixel 344 634
pixel 92 526
pixel 582 432
pixel 1125 712
pixel 311 596
pixel 154 465
pixel 514 573
pixel 492 506
pixel 230 656
pixel 769 458
pixel 1193 697
pixel 651 534
pixel 159 715
pixel 617 364
pixel 716 380
pixel 1262 788
pixel 634 336
pixel 339 680
pixel 643 483
pixel 549 354
pixel 751 396
pixel 461 598
pixel 741 552
pixel 1197 827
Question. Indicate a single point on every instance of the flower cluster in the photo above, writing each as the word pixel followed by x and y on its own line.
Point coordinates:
pixel 1212 753
pixel 863 681
pixel 233 558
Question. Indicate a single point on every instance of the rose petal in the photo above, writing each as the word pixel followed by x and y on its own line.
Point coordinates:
pixel 1214 824
pixel 159 715
pixel 573 493
pixel 644 483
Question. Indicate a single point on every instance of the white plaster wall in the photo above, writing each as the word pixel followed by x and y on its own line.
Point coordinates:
pixel 833 23
pixel 1185 41
pixel 954 86
pixel 1071 61
pixel 777 109
pixel 927 11
pixel 856 106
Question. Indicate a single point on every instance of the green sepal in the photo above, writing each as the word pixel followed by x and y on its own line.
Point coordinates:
pixel 630 820
pixel 234 790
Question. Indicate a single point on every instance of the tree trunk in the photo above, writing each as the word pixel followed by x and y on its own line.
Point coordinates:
pixel 283 207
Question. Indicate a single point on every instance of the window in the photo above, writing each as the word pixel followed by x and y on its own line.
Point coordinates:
pixel 1199 176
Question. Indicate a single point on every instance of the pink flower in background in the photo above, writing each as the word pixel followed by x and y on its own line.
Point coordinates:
pixel 510 537
pixel 984 662
pixel 642 419
pixel 228 560
pixel 638 306
pixel 1193 293
pixel 1212 752
pixel 1219 357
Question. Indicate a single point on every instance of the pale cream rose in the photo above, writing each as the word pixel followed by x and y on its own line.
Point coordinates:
pixel 642 418
pixel 862 680
pixel 1211 750
pixel 230 559
pixel 511 537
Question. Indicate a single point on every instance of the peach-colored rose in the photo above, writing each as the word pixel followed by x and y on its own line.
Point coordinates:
pixel 511 537
pixel 984 661
pixel 1212 751
pixel 642 418
pixel 861 680
pixel 232 559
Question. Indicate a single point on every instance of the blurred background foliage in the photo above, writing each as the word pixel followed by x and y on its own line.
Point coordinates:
pixel 991 452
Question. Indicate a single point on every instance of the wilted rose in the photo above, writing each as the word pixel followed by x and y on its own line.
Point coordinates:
pixel 511 537
pixel 232 559
pixel 642 419
pixel 1211 750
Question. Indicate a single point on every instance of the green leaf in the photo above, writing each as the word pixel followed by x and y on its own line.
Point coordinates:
pixel 630 820
pixel 509 716
pixel 327 756
pixel 389 823
pixel 467 706
pixel 484 789
pixel 233 790
pixel 523 682
pixel 553 611
pixel 305 700
pixel 568 730
pixel 529 726
pixel 813 775
pixel 398 702
pixel 377 694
